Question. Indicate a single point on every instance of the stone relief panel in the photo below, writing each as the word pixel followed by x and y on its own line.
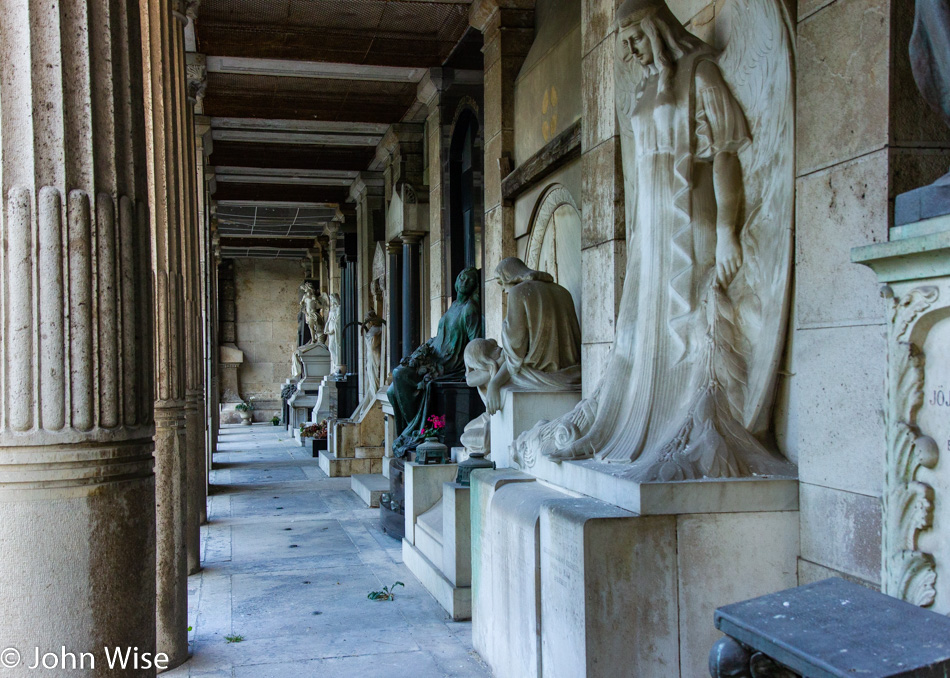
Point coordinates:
pixel 555 241
pixel 707 154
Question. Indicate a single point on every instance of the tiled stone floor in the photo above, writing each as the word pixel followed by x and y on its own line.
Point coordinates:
pixel 288 558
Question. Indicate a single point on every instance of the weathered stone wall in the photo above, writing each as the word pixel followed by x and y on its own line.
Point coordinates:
pixel 267 303
pixel 863 136
pixel 548 87
pixel 603 240
pixel 548 99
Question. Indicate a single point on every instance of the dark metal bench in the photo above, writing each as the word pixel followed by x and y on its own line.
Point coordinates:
pixel 830 629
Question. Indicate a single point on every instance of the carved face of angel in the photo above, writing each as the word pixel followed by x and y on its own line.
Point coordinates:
pixel 636 44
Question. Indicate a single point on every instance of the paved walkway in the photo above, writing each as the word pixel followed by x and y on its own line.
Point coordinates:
pixel 289 556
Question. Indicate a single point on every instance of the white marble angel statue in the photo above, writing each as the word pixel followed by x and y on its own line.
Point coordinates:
pixel 332 331
pixel 708 177
pixel 372 330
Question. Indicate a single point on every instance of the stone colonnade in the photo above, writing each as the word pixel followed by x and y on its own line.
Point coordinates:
pixel 77 489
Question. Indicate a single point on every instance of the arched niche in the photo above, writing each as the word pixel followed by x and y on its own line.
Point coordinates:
pixel 555 240
pixel 464 233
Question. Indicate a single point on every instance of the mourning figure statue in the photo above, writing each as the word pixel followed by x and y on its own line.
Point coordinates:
pixel 540 337
pixel 706 140
pixel 440 358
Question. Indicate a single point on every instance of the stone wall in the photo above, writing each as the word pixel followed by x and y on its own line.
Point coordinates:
pixel 863 136
pixel 266 308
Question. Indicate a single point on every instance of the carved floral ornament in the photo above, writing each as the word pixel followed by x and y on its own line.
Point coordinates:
pixel 909 572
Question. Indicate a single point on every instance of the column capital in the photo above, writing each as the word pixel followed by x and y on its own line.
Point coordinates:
pixel 412 237
pixel 196 72
pixel 485 15
pixel 191 8
pixel 394 247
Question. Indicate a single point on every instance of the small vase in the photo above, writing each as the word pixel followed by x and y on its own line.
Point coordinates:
pixel 475 460
pixel 246 418
pixel 432 452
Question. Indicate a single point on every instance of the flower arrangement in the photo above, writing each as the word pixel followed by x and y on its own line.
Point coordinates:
pixel 244 407
pixel 434 427
pixel 314 430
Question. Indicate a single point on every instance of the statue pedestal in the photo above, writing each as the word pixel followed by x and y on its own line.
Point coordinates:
pixel 315 359
pixel 567 585
pixel 520 411
pixel 437 544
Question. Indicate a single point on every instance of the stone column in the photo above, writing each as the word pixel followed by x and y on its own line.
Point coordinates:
pixel 228 353
pixel 394 250
pixel 315 254
pixel 332 231
pixel 367 192
pixel 194 392
pixel 214 386
pixel 411 292
pixel 77 488
pixel 164 102
pixel 206 301
pixel 430 94
pixel 508 28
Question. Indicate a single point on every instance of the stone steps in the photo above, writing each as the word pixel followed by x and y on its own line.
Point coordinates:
pixel 369 486
pixel 336 467
pixel 367 452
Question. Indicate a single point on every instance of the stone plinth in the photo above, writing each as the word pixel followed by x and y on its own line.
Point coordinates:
pixel 440 555
pixel 423 545
pixel 520 411
pixel 566 585
pixel 606 482
pixel 424 489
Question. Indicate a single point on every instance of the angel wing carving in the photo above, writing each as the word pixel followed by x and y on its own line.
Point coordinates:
pixel 757 63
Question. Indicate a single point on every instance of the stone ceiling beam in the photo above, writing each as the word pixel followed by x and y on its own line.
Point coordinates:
pixel 313 69
pixel 300 125
pixel 297 138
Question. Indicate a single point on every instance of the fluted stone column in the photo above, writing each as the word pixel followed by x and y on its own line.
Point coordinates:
pixel 206 301
pixel 164 100
pixel 194 382
pixel 77 526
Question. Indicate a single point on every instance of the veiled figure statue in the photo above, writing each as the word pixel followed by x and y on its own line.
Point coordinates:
pixel 439 359
pixel 312 308
pixel 707 162
pixel 332 332
pixel 540 336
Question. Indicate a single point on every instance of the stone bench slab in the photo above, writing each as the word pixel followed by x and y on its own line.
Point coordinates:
pixel 837 629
